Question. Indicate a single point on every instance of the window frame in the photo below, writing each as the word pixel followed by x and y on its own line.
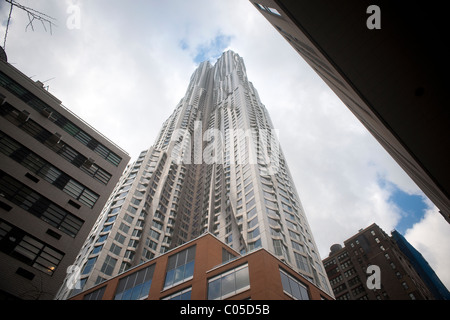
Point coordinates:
pixel 236 290
pixel 140 288
pixel 173 276
pixel 292 279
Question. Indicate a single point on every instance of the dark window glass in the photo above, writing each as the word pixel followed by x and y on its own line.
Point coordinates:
pixel 136 285
pixel 180 267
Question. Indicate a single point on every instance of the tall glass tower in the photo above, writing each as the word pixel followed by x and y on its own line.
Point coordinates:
pixel 216 167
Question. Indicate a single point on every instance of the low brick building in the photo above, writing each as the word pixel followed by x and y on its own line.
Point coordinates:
pixel 207 269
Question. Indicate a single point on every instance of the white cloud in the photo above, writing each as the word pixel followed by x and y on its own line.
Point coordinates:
pixel 330 156
pixel 430 238
pixel 128 65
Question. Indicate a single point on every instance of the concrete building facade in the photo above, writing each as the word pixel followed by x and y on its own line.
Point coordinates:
pixel 56 174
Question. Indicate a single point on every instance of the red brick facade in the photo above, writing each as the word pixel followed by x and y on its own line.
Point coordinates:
pixel 264 277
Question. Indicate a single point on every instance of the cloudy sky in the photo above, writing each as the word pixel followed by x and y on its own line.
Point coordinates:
pixel 123 66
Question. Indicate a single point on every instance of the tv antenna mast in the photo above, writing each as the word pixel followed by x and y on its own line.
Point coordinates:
pixel 33 15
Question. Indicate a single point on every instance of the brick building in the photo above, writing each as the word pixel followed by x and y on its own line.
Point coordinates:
pixel 207 269
pixel 346 268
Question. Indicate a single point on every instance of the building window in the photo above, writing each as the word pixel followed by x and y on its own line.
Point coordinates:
pixel 102 238
pixel 89 265
pixel 293 287
pixel 33 252
pixel 115 249
pixel 135 286
pixel 302 262
pixel 62 149
pixel 253 234
pixel 109 265
pixel 254 245
pixel 280 249
pixel 227 256
pixel 97 249
pixel 251 213
pixel 269 10
pixel 229 283
pixel 106 228
pixel 252 222
pixel 358 290
pixel 95 295
pixel 180 267
pixel 119 238
pixel 39 206
pixel 123 227
pixel 61 121
pixel 345 296
pixel 180 295
pixel 42 168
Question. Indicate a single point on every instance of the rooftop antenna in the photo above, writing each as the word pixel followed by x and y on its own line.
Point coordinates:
pixel 46 88
pixel 33 15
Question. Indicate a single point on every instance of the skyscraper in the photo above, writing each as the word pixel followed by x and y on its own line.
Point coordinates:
pixel 216 167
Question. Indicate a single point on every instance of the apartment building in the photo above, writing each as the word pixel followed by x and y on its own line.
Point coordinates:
pixel 394 278
pixel 56 174
pixel 205 268
pixel 216 166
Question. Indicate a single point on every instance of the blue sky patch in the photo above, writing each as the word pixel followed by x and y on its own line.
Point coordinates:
pixel 184 45
pixel 412 207
pixel 213 49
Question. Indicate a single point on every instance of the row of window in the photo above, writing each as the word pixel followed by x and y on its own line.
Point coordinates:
pixel 37 104
pixel 47 171
pixel 229 283
pixel 39 206
pixel 293 287
pixel 137 286
pixel 180 269
pixel 117 201
pixel 24 247
pixel 279 247
pixel 22 121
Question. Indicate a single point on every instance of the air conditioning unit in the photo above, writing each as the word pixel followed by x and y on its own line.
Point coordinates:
pixel 46 113
pixel 55 138
pixel 23 116
pixel 88 163
pixel 2 99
